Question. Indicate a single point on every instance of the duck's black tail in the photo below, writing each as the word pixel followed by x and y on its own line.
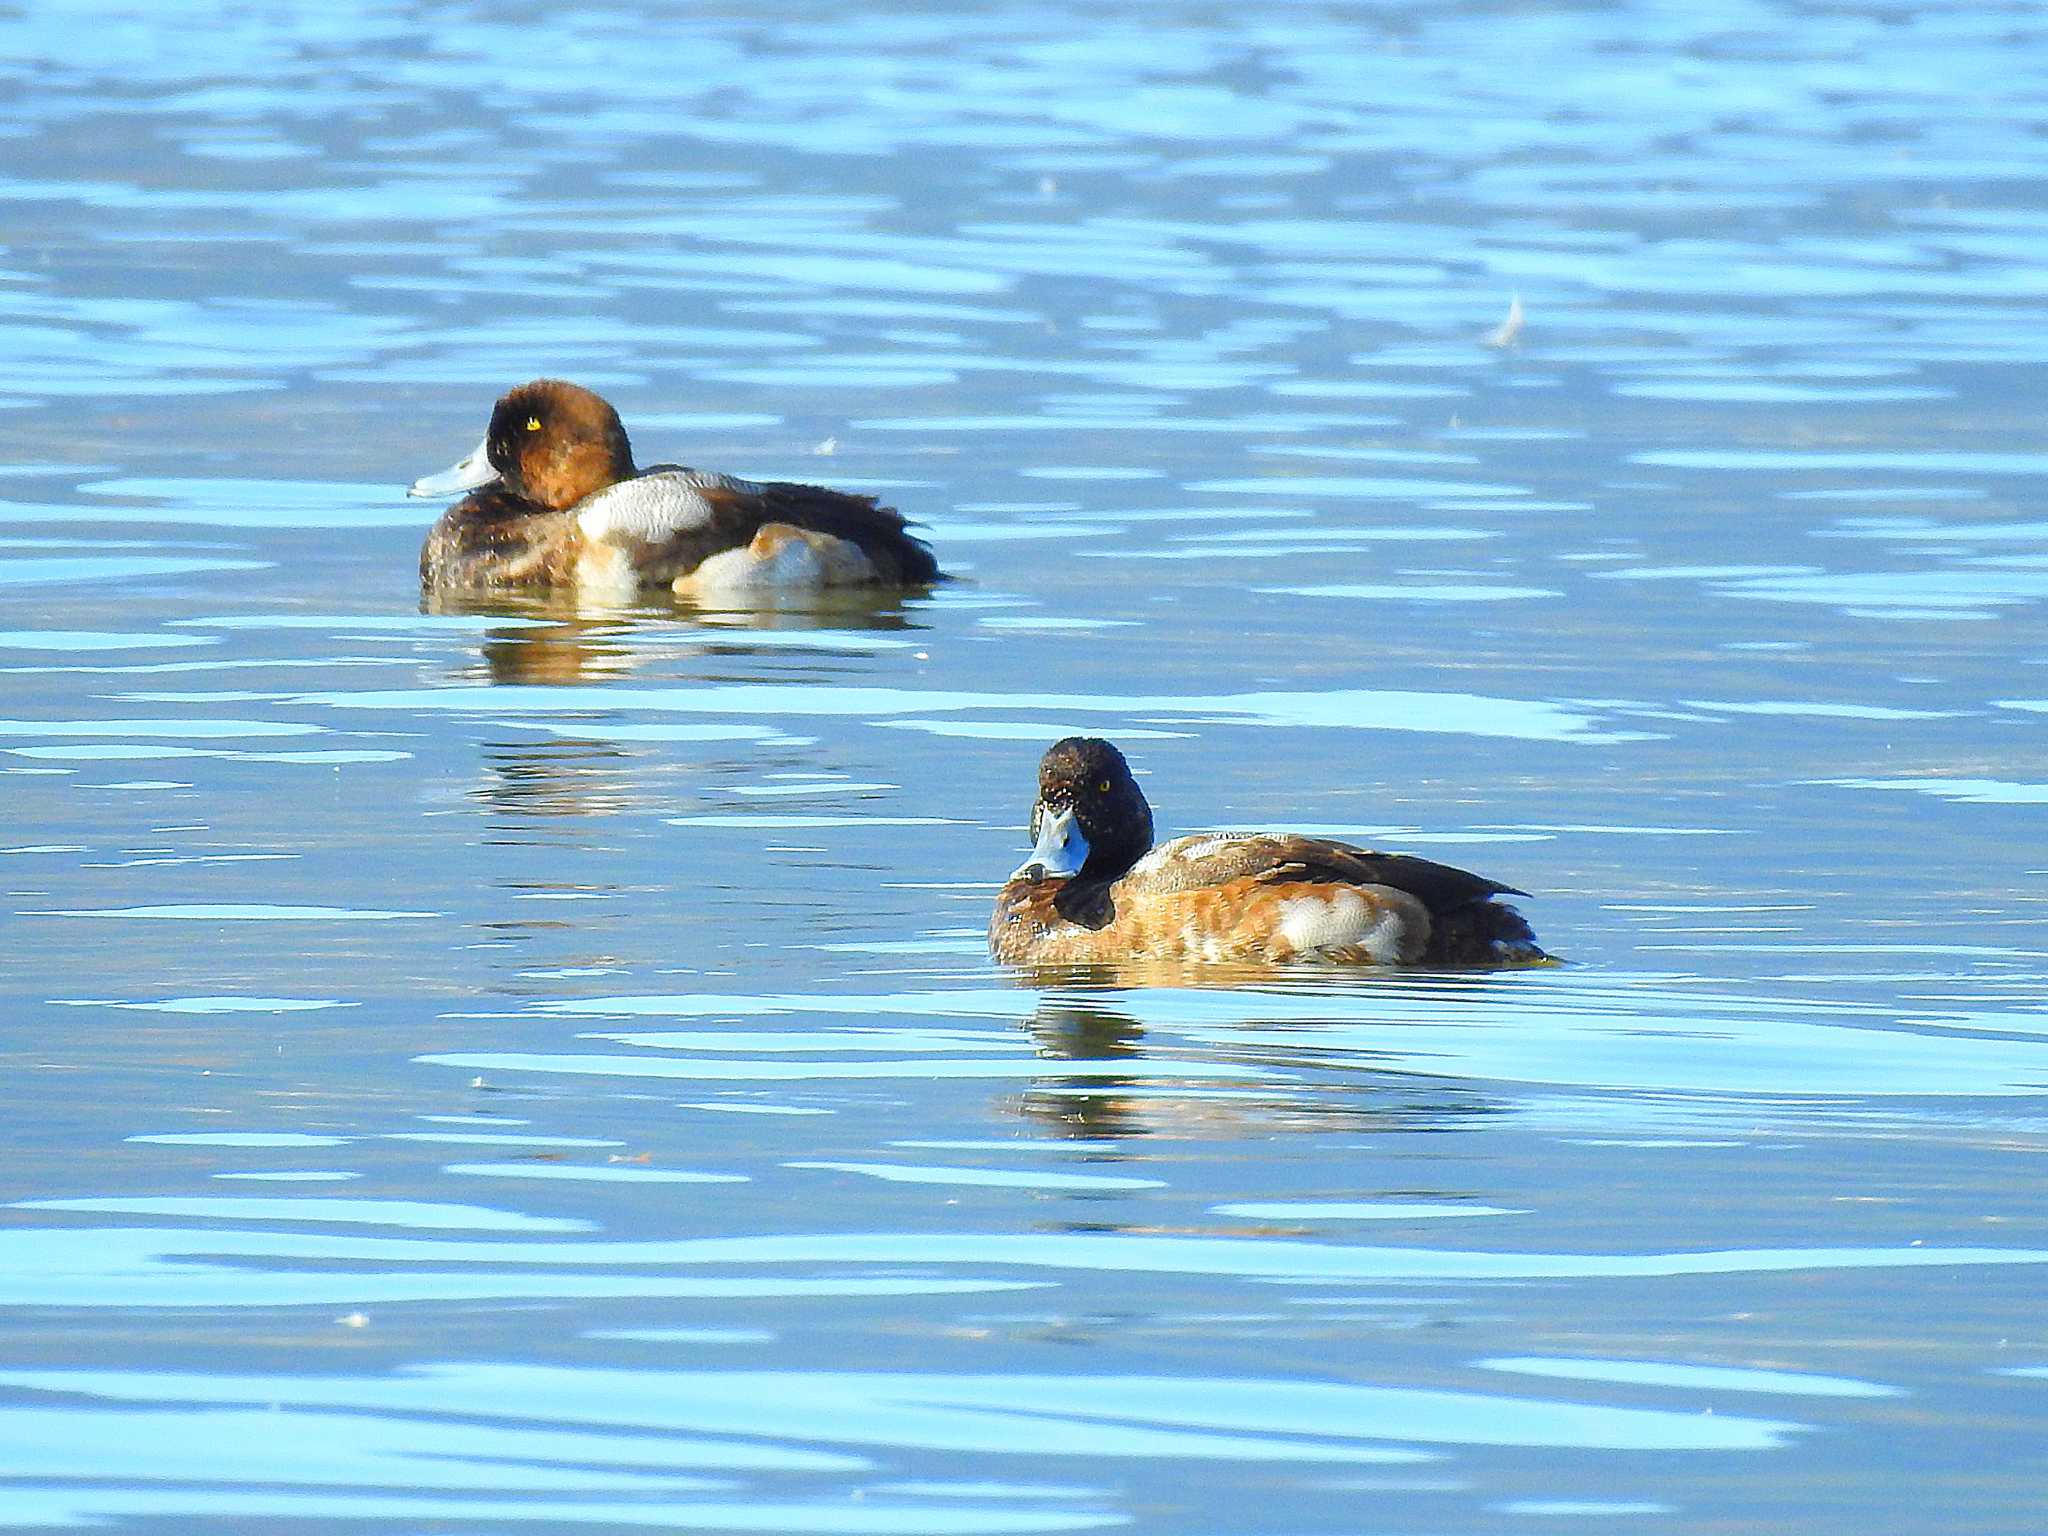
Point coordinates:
pixel 1482 933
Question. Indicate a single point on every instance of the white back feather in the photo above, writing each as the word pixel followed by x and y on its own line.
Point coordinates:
pixel 655 506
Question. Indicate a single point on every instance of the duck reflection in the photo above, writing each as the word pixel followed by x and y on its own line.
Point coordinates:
pixel 555 639
pixel 1291 1083
pixel 1079 1029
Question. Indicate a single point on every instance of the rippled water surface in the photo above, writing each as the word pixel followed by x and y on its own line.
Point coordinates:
pixel 530 1069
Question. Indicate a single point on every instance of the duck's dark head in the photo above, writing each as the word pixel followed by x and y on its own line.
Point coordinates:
pixel 551 443
pixel 1090 821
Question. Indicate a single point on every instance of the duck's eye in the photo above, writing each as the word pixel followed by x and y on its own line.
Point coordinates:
pixel 533 423
pixel 1102 788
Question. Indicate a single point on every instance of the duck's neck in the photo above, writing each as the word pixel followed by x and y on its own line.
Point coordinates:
pixel 1086 901
pixel 1086 898
pixel 1111 856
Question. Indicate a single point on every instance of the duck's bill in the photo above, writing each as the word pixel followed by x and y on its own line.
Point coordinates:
pixel 465 476
pixel 1062 849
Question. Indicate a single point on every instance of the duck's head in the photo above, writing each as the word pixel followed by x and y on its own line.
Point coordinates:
pixel 549 442
pixel 1090 820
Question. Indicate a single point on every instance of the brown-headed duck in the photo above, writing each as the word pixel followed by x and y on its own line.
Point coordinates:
pixel 554 501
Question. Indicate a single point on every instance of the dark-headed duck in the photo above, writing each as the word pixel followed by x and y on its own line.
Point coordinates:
pixel 1095 891
pixel 554 501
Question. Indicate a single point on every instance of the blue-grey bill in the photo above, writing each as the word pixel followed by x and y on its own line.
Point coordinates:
pixel 1062 849
pixel 471 472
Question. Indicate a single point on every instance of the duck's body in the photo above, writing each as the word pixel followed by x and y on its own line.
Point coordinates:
pixel 555 501
pixel 1095 891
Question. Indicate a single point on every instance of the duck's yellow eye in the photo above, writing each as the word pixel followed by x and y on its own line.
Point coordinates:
pixel 1102 788
pixel 533 423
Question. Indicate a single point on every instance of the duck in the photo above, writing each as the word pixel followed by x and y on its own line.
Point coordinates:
pixel 1095 891
pixel 554 501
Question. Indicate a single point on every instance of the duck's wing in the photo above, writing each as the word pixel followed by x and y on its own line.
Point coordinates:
pixel 1211 859
pixel 880 533
pixel 678 517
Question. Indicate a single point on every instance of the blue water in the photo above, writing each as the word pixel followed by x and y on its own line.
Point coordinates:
pixel 510 1067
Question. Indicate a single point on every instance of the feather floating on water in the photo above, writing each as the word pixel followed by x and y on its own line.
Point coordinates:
pixel 1509 331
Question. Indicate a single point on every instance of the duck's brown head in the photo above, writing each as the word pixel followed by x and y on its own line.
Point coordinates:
pixel 550 443
pixel 555 443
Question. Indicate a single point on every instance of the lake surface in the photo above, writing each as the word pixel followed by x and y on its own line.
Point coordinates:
pixel 538 1070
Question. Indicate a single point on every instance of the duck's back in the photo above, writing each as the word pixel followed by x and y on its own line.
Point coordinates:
pixel 879 532
pixel 1217 858
pixel 670 521
pixel 1286 896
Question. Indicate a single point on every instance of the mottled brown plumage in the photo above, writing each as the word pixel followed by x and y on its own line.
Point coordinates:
pixel 1247 919
pixel 1258 897
pixel 495 538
